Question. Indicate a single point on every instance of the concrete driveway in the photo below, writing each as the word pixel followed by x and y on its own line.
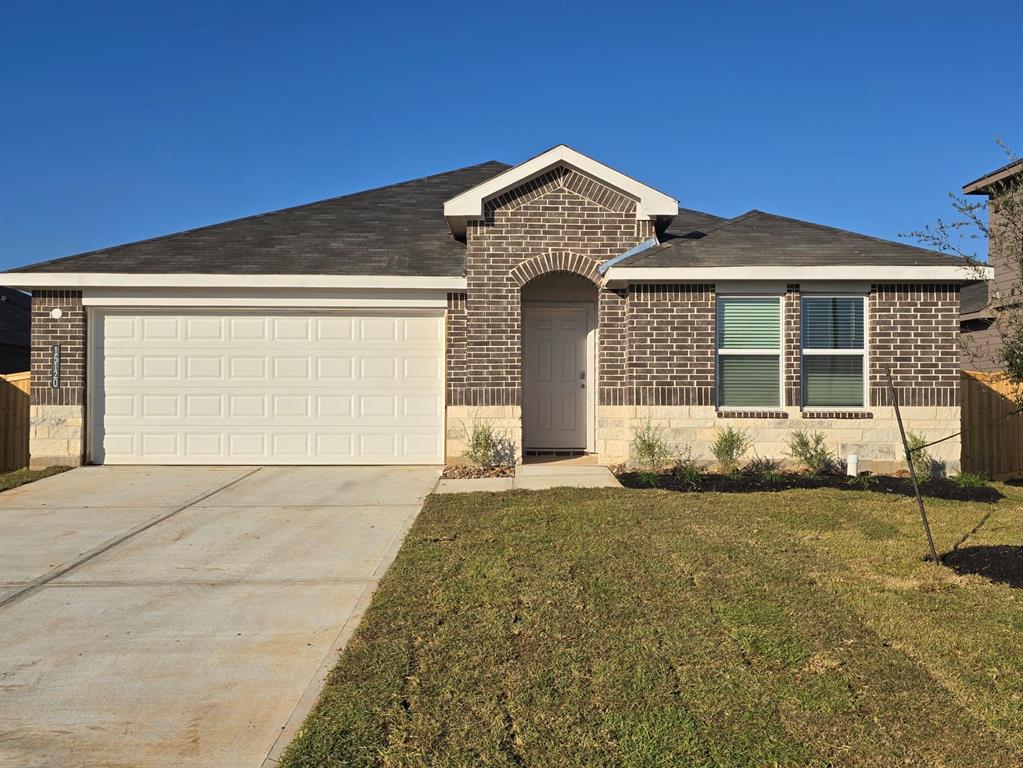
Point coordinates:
pixel 184 616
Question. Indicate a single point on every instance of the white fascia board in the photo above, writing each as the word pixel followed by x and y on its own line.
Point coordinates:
pixel 913 274
pixel 469 204
pixel 266 298
pixel 123 280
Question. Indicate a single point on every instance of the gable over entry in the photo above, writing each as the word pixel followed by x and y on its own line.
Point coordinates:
pixel 650 204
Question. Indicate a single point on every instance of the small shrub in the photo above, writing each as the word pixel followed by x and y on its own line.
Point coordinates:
pixel 970 480
pixel 650 448
pixel 686 474
pixel 758 466
pixel 765 473
pixel 648 479
pixel 862 482
pixel 923 462
pixel 730 445
pixel 810 450
pixel 483 445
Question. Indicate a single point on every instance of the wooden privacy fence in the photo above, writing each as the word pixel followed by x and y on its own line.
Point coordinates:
pixel 992 439
pixel 14 402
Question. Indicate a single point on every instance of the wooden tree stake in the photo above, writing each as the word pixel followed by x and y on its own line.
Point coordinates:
pixel 912 470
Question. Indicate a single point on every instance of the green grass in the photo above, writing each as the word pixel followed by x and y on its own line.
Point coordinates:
pixel 651 628
pixel 21 476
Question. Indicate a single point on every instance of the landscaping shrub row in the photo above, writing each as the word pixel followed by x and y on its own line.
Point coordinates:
pixel 745 481
pixel 661 465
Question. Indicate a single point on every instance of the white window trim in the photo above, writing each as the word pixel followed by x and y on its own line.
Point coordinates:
pixel 863 352
pixel 779 352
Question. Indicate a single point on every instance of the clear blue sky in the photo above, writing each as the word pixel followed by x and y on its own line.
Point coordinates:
pixel 125 120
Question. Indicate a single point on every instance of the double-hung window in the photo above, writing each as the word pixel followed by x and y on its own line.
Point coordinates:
pixel 749 351
pixel 833 332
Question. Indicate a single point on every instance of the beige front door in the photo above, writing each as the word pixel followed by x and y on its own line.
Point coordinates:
pixel 555 379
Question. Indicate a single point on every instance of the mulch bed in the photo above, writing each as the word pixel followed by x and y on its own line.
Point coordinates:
pixel 465 472
pixel 940 488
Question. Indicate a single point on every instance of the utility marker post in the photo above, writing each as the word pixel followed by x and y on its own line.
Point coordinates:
pixel 909 463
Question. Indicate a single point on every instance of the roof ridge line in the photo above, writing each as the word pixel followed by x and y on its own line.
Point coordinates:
pixel 249 217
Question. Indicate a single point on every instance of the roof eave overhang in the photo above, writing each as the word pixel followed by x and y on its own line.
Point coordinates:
pixel 468 206
pixel 31 280
pixel 983 185
pixel 881 274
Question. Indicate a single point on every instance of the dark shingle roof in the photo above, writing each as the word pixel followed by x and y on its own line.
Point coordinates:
pixel 15 311
pixel 764 239
pixel 394 230
pixel 690 223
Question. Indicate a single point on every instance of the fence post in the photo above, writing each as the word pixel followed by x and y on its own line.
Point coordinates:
pixel 909 462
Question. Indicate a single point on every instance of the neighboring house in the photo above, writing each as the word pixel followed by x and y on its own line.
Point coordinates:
pixel 983 301
pixel 559 300
pixel 14 330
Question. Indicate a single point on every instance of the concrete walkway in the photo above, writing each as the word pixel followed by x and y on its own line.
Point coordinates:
pixel 173 616
pixel 538 477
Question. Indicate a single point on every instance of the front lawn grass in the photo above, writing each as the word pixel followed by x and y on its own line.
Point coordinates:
pixel 18 477
pixel 653 628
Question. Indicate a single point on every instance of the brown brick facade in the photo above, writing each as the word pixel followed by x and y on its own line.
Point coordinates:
pixel 671 346
pixel 793 349
pixel 562 220
pixel 69 332
pixel 455 348
pixel 613 348
pixel 914 330
pixel 656 342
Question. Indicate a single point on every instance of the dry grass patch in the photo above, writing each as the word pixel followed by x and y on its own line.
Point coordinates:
pixel 22 476
pixel 651 628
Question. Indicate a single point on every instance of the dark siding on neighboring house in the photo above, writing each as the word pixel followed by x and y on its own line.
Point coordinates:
pixel 15 328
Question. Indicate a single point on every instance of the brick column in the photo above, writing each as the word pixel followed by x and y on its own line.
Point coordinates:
pixel 793 352
pixel 612 355
pixel 57 431
pixel 455 367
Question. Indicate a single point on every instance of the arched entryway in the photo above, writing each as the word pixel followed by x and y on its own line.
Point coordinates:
pixel 559 329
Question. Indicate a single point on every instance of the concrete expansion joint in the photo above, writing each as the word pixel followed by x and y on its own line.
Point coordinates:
pixel 106 546
pixel 228 582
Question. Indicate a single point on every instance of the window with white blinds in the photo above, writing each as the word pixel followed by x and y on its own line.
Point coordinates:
pixel 833 331
pixel 749 351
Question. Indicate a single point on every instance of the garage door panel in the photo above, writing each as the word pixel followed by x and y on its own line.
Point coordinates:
pixel 203 387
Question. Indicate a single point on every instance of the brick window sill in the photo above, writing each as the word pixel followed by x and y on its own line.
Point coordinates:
pixel 837 415
pixel 739 414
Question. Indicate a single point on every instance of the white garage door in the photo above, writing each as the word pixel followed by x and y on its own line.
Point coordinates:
pixel 247 388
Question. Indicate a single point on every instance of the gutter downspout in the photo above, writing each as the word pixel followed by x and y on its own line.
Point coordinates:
pixel 603 268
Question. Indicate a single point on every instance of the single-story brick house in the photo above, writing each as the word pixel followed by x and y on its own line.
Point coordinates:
pixel 558 299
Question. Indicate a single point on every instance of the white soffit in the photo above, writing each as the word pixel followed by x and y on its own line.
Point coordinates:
pixel 914 274
pixel 469 205
pixel 152 280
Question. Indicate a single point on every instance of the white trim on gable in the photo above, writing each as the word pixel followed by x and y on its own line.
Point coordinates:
pixel 469 205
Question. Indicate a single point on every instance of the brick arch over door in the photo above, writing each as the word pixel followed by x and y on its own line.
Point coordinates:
pixel 555 261
pixel 559 222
